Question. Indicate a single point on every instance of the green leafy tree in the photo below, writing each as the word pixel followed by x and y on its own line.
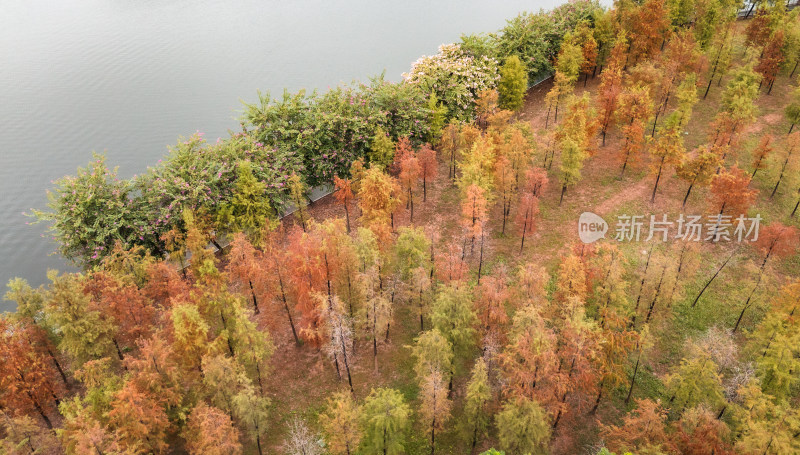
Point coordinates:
pixel 476 412
pixel 436 118
pixel 792 110
pixel 432 352
pixel 435 407
pixel 253 411
pixel 573 138
pixel 768 427
pixel 340 423
pixel 249 209
pixel 513 84
pixel 696 380
pixel 385 419
pixel 84 334
pixel 453 315
pixel 778 364
pixel 381 149
pixel 698 170
pixel 668 149
pixel 411 251
pixel 90 212
pixel 523 427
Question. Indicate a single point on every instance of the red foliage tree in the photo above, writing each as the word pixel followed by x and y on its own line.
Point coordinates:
pixel 131 312
pixel 700 432
pixel 410 172
pixel 275 259
pixel 608 97
pixel 164 284
pixel 155 370
pixel 771 59
pixel 245 269
pixel 493 294
pixel 306 273
pixel 450 265
pixel 402 150
pixel 762 150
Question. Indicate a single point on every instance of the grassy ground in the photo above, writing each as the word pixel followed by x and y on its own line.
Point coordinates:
pixel 302 377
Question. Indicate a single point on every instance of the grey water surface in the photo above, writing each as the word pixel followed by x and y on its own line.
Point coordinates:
pixel 128 77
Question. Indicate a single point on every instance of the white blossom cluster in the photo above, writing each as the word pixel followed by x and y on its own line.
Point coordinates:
pixel 456 77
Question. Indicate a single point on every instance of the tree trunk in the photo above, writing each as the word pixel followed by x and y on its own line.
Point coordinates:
pixel 747 303
pixel 119 351
pixel 641 287
pixel 411 200
pixel 655 122
pixel 480 260
pixel 658 177
pixel 555 116
pixel 655 297
pixel 599 397
pixel 633 378
pixel 474 438
pixel 713 277
pixel 711 79
pixel 686 198
pixel 503 230
pixel 346 364
pixel 433 435
pixel 347 217
pixel 41 411
pixel 563 190
pixel 336 364
pixel 58 367
pixel 547 118
pixel 524 228
pixel 780 177
pixel 288 312
pixel 253 293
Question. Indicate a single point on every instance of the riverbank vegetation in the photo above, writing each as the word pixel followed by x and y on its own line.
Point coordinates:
pixel 441 299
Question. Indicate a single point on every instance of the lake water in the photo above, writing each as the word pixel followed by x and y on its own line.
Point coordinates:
pixel 128 77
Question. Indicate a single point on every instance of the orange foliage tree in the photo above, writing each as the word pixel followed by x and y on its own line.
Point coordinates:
pixel 344 194
pixel 28 381
pixel 429 168
pixel 410 172
pixel 774 240
pixel 730 192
